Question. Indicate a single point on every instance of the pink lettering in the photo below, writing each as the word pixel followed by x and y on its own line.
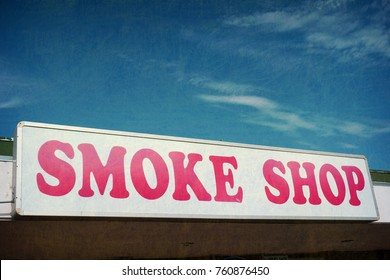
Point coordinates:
pixel 351 172
pixel 221 179
pixel 325 186
pixel 114 167
pixel 150 176
pixel 138 174
pixel 186 176
pixel 276 181
pixel 56 167
pixel 299 182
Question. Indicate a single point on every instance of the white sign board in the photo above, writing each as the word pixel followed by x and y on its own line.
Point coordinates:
pixel 6 188
pixel 74 171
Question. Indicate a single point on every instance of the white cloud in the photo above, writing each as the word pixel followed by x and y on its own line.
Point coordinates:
pixel 349 146
pixel 12 103
pixel 353 128
pixel 357 44
pixel 374 39
pixel 278 20
pixel 333 28
pixel 226 87
pixel 280 118
pixel 330 42
pixel 17 91
pixel 384 129
pixel 330 4
pixel 256 102
pixel 230 88
pixel 293 120
pixel 269 113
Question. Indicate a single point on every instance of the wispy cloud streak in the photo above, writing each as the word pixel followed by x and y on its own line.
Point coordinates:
pixel 350 35
pixel 17 91
pixel 271 114
pixel 12 103
pixel 280 21
pixel 256 102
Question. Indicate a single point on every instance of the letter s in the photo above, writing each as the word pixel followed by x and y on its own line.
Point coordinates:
pixel 276 181
pixel 56 167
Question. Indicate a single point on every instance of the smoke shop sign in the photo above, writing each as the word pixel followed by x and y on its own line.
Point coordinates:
pixel 72 171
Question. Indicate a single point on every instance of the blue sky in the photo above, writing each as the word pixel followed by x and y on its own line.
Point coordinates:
pixel 311 75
